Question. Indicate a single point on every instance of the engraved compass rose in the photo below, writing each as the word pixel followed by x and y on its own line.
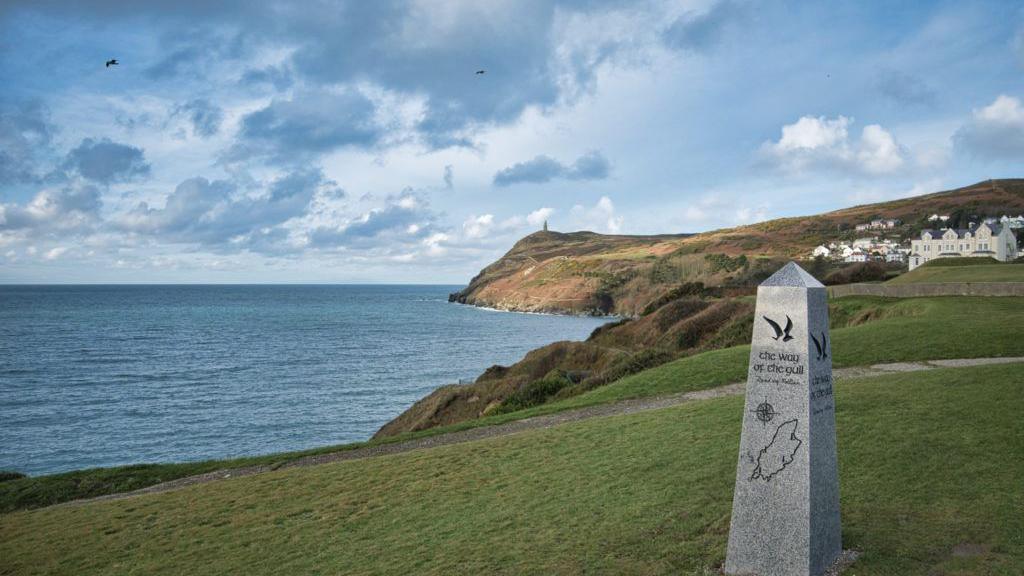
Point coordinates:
pixel 764 412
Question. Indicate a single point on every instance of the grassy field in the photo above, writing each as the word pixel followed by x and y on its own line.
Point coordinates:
pixel 930 484
pixel 938 272
pixel 868 330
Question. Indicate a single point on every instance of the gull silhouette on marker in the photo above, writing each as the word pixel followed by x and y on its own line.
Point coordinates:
pixel 112 62
pixel 778 329
pixel 821 346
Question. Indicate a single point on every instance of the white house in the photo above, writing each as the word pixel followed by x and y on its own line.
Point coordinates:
pixel 857 255
pixel 937 218
pixel 1013 222
pixel 994 240
pixel 821 251
pixel 896 256
pixel 863 243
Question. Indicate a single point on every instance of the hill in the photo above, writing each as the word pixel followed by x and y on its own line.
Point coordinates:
pixel 680 295
pixel 643 494
pixel 588 273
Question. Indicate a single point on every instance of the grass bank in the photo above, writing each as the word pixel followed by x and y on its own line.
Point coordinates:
pixel 929 484
pixel 867 330
pixel 963 270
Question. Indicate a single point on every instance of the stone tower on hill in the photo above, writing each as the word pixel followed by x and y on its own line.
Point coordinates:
pixel 545 225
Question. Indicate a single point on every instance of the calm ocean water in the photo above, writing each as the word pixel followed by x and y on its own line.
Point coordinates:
pixel 107 375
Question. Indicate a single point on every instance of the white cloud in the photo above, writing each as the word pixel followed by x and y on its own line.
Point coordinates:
pixel 820 143
pixel 748 215
pixel 54 253
pixel 600 218
pixel 878 153
pixel 539 216
pixel 995 131
pixel 478 226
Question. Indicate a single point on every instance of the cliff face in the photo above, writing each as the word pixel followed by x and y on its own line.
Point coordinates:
pixel 681 294
pixel 565 273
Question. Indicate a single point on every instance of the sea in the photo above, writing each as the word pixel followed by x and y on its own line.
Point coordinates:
pixel 94 376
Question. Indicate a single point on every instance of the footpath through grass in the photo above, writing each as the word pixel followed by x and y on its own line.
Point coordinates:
pixel 930 478
pixel 876 330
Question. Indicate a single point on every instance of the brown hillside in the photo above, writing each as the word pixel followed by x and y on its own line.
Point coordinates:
pixel 681 294
pixel 589 273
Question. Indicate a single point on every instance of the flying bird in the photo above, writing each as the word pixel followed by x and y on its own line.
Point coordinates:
pixel 779 331
pixel 481 72
pixel 112 62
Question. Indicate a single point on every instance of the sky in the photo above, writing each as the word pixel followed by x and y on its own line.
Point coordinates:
pixel 353 141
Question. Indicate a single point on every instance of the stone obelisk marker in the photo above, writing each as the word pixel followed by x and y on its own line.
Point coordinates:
pixel 785 510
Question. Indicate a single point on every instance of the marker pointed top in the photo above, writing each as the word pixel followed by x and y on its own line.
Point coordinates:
pixel 792 275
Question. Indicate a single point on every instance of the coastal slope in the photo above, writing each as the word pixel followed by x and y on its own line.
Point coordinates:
pixel 590 273
pixel 678 295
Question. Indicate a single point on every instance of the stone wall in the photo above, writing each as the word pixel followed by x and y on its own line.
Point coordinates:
pixel 916 290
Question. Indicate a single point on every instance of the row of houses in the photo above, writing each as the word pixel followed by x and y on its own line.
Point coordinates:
pixel 863 250
pixel 880 224
pixel 1011 222
pixel 987 239
pixel 994 238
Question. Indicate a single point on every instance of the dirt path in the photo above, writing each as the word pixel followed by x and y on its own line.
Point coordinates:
pixel 537 422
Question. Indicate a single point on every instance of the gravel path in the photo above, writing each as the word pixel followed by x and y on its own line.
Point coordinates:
pixel 537 422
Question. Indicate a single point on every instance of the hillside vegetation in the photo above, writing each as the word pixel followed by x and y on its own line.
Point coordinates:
pixel 680 295
pixel 873 330
pixel 647 493
pixel 584 272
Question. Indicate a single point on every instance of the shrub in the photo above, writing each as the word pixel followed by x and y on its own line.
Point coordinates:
pixel 725 262
pixel 859 272
pixel 606 327
pixel 960 261
pixel 6 475
pixel 638 362
pixel 534 393
pixel 685 289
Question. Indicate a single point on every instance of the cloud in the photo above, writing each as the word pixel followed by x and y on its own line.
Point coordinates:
pixel 449 177
pixel 69 208
pixel 404 219
pixel 192 51
pixel 995 132
pixel 106 162
pixel 216 214
pixel 820 143
pixel 478 226
pixel 311 122
pixel 276 77
pixel 55 253
pixel 206 118
pixel 25 131
pixel 485 226
pixel 591 166
pixel 539 216
pixel 700 32
pixel 904 89
pixel 600 218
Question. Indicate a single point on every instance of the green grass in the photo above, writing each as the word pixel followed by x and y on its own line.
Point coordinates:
pixel 962 270
pixel 928 462
pixel 878 330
